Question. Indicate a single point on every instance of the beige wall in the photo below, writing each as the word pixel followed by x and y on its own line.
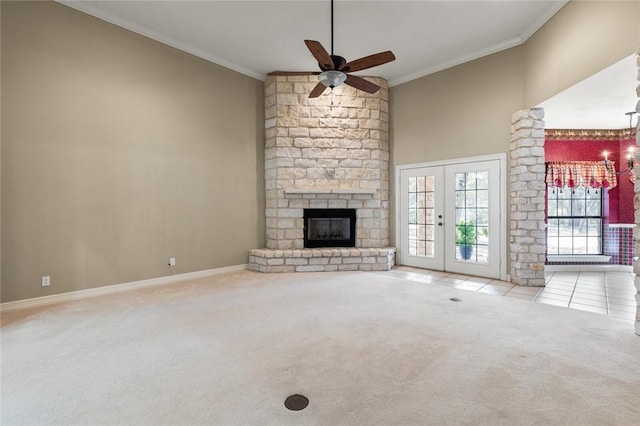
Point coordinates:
pixel 0 153
pixel 466 110
pixel 583 38
pixel 119 152
pixel 460 112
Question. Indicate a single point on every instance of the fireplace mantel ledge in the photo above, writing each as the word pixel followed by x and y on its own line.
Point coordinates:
pixel 303 191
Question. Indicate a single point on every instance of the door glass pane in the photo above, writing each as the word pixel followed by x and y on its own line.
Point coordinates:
pixel 482 217
pixel 483 197
pixel 470 180
pixel 472 216
pixel 413 200
pixel 483 235
pixel 482 180
pixel 470 198
pixel 412 185
pixel 421 216
pixel 413 215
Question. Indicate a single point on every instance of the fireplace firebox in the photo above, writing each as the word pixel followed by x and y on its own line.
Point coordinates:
pixel 329 228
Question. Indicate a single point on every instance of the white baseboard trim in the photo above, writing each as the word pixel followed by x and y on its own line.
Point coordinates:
pixel 115 288
pixel 588 258
pixel 588 268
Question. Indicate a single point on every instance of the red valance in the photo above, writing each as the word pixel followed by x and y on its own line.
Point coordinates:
pixel 590 174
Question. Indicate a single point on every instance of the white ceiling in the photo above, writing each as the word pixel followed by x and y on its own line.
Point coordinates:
pixel 598 102
pixel 257 37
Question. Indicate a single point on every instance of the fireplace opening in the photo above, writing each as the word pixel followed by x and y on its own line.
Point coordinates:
pixel 329 228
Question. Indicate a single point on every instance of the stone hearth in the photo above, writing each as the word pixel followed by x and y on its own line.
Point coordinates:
pixel 327 152
pixel 322 260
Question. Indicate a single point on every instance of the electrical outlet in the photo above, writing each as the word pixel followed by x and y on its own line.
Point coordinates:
pixel 46 281
pixel 172 261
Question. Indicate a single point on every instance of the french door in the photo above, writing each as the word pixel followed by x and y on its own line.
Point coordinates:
pixel 450 218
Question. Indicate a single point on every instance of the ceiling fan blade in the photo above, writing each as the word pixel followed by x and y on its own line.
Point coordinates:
pixel 361 84
pixel 320 54
pixel 368 62
pixel 317 91
pixel 285 73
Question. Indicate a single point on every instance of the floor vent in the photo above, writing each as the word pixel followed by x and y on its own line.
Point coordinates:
pixel 296 402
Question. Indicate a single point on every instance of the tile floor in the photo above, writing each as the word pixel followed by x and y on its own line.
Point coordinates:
pixel 607 293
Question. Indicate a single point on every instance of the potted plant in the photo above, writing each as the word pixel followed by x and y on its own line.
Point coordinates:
pixel 466 235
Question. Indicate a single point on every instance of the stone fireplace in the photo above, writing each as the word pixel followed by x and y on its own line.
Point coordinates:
pixel 330 152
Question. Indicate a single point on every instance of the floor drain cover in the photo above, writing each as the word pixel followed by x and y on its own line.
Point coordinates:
pixel 455 299
pixel 296 402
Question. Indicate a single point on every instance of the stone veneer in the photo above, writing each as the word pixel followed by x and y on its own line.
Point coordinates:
pixel 527 198
pixel 322 260
pixel 327 152
pixel 636 204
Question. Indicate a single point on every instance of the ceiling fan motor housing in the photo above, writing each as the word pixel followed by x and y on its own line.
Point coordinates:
pixel 338 61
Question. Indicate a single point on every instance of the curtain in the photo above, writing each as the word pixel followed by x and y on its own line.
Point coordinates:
pixel 590 174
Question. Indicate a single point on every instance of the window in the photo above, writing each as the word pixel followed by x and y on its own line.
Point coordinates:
pixel 574 221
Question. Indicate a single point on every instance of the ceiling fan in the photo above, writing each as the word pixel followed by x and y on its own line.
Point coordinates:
pixel 335 70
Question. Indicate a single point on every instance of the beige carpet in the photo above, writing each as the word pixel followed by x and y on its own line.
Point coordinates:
pixel 365 348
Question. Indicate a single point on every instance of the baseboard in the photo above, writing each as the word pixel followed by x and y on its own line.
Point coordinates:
pixel 115 288
pixel 587 258
pixel 588 268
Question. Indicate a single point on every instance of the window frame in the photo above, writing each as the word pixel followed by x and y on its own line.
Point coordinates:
pixel 572 217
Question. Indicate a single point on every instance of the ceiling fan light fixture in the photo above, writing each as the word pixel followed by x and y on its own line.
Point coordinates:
pixel 332 78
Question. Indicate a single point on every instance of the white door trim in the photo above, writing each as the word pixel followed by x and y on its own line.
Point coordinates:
pixel 502 159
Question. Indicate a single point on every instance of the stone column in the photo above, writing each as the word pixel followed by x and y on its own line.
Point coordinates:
pixel 527 198
pixel 636 204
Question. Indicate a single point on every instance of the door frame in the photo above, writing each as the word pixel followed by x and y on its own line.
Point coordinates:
pixel 502 179
pixel 437 260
